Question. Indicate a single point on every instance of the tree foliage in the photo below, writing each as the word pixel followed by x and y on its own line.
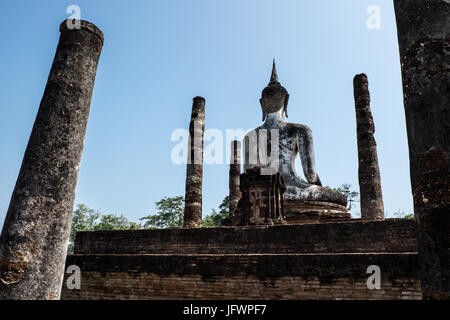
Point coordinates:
pixel 170 210
pixel 214 219
pixel 402 214
pixel 169 213
pixel 87 219
pixel 352 196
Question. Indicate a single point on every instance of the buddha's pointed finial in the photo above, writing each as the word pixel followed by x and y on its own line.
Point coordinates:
pixel 274 96
pixel 274 76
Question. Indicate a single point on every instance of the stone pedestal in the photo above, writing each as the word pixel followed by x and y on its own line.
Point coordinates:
pixel 262 200
pixel 309 211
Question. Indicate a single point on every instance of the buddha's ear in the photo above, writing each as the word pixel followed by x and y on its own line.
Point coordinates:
pixel 286 100
pixel 264 113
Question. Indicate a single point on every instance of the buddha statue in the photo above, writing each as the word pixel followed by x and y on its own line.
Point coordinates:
pixel 275 146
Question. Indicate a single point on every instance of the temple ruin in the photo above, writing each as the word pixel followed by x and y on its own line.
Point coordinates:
pixel 312 249
pixel 285 238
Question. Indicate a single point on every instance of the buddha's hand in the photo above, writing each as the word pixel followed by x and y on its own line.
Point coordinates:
pixel 315 180
pixel 319 183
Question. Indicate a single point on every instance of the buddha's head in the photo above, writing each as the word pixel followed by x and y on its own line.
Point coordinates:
pixel 274 97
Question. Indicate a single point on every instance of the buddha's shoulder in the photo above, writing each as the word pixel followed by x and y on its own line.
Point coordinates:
pixel 287 127
pixel 254 131
pixel 297 127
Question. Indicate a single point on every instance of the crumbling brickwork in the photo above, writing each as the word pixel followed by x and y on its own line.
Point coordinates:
pixel 262 199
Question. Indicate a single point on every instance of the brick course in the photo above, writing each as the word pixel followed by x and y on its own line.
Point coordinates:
pixel 392 235
pixel 313 261
pixel 247 276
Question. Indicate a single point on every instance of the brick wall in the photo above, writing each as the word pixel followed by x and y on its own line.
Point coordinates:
pixel 313 261
pixel 392 235
pixel 247 276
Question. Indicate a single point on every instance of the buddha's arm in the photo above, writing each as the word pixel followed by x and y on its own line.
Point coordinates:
pixel 306 150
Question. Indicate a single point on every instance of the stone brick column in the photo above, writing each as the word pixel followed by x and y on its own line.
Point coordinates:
pixel 35 235
pixel 194 167
pixel 368 172
pixel 235 171
pixel 424 41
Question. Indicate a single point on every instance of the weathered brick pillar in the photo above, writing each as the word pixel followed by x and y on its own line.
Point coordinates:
pixel 194 167
pixel 235 171
pixel 35 235
pixel 368 172
pixel 424 41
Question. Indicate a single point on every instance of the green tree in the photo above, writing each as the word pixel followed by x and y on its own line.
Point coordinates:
pixel 169 213
pixel 214 219
pixel 170 210
pixel 402 214
pixel 87 219
pixel 224 207
pixel 83 219
pixel 115 222
pixel 352 196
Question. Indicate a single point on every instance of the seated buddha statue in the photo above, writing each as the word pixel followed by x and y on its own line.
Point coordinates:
pixel 275 146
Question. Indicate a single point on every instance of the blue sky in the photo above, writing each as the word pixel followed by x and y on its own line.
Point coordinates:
pixel 158 55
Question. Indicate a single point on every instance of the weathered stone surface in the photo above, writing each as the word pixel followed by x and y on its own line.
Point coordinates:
pixel 424 42
pixel 194 167
pixel 35 235
pixel 261 201
pixel 235 171
pixel 274 96
pixel 308 211
pixel 371 198
pixel 276 144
